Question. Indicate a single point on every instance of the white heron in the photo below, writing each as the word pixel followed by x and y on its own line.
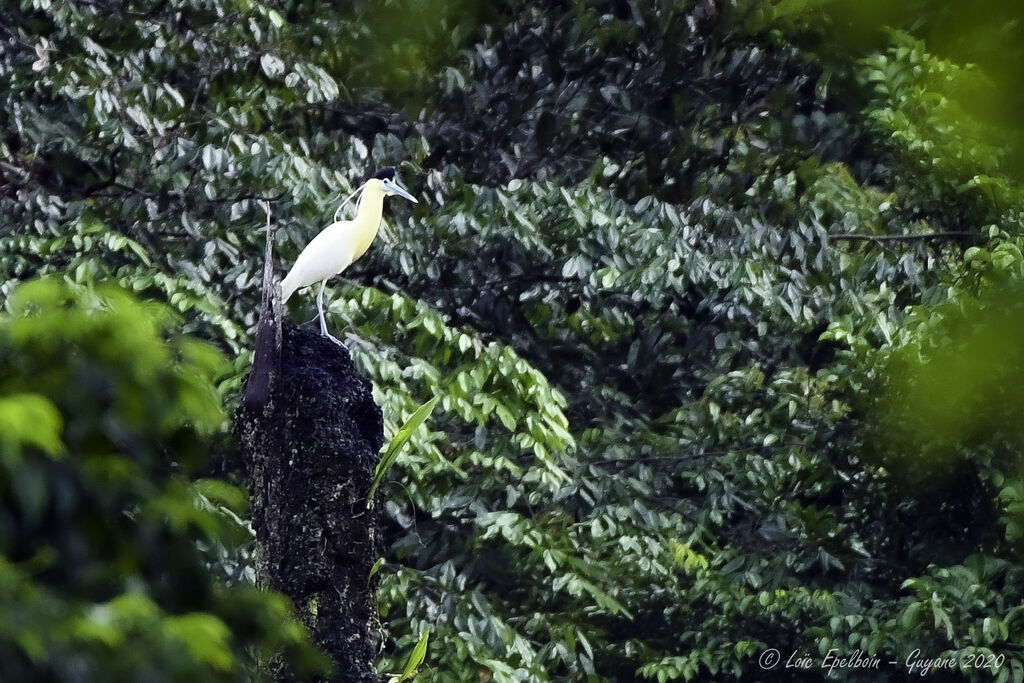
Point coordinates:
pixel 342 242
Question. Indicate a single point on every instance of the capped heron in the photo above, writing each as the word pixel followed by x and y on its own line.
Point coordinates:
pixel 342 242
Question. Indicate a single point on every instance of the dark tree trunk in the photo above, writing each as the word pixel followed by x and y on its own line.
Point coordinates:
pixel 310 434
pixel 311 456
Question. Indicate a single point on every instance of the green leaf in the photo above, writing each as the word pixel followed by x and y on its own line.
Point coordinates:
pixel 205 636
pixel 403 435
pixel 419 653
pixel 30 419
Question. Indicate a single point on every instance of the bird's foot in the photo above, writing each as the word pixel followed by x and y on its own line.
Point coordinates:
pixel 334 339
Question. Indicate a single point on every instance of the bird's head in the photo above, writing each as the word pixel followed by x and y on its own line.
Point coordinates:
pixel 385 182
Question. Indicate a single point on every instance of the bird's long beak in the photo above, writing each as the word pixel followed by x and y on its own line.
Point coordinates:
pixel 394 187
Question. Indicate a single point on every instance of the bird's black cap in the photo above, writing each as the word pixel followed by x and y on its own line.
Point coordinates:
pixel 385 174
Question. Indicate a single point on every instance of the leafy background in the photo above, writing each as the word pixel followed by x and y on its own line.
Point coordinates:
pixel 720 299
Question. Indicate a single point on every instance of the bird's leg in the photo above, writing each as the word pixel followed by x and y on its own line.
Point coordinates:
pixel 323 320
pixel 320 308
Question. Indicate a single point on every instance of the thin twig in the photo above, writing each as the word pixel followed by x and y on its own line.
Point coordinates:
pixel 851 237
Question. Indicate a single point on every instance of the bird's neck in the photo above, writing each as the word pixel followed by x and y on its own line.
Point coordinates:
pixel 367 220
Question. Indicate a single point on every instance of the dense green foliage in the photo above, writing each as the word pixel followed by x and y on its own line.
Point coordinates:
pixel 101 576
pixel 683 416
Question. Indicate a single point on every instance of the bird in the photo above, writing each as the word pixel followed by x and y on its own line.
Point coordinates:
pixel 342 242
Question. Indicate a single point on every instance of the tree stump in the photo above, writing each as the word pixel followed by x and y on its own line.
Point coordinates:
pixel 310 434
pixel 311 454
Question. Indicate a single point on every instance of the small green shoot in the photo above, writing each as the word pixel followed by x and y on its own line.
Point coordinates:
pixel 376 567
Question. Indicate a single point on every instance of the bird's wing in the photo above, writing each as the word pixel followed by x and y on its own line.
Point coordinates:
pixel 326 255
